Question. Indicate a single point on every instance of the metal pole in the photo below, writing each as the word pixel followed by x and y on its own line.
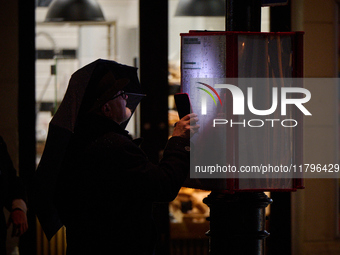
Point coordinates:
pixel 243 15
pixel 237 221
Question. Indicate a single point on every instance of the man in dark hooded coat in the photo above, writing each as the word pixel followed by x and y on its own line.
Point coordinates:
pixel 106 184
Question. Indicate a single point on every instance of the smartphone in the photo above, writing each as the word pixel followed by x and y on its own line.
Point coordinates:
pixel 183 104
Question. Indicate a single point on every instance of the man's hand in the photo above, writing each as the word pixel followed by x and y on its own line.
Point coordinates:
pixel 19 220
pixel 186 127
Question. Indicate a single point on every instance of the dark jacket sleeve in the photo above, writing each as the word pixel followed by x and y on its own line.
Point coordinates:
pixel 145 180
pixel 167 178
pixel 11 185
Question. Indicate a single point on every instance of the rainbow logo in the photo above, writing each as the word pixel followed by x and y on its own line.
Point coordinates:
pixel 209 93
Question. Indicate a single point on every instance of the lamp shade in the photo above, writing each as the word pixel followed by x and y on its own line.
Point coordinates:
pixel 74 10
pixel 200 8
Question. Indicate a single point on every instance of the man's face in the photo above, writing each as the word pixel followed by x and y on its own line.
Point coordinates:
pixel 116 109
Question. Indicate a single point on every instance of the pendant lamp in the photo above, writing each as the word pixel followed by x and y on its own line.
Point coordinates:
pixel 74 10
pixel 200 8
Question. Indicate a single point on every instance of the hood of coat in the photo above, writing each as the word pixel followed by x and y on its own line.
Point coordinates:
pixel 92 86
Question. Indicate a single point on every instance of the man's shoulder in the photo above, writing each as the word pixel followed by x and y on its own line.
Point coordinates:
pixel 113 140
pixel 113 147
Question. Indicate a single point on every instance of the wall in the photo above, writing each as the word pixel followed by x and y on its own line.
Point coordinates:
pixel 314 210
pixel 126 14
pixel 9 83
pixel 9 77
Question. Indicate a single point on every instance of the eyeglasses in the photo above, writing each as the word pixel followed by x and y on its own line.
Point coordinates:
pixel 125 95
